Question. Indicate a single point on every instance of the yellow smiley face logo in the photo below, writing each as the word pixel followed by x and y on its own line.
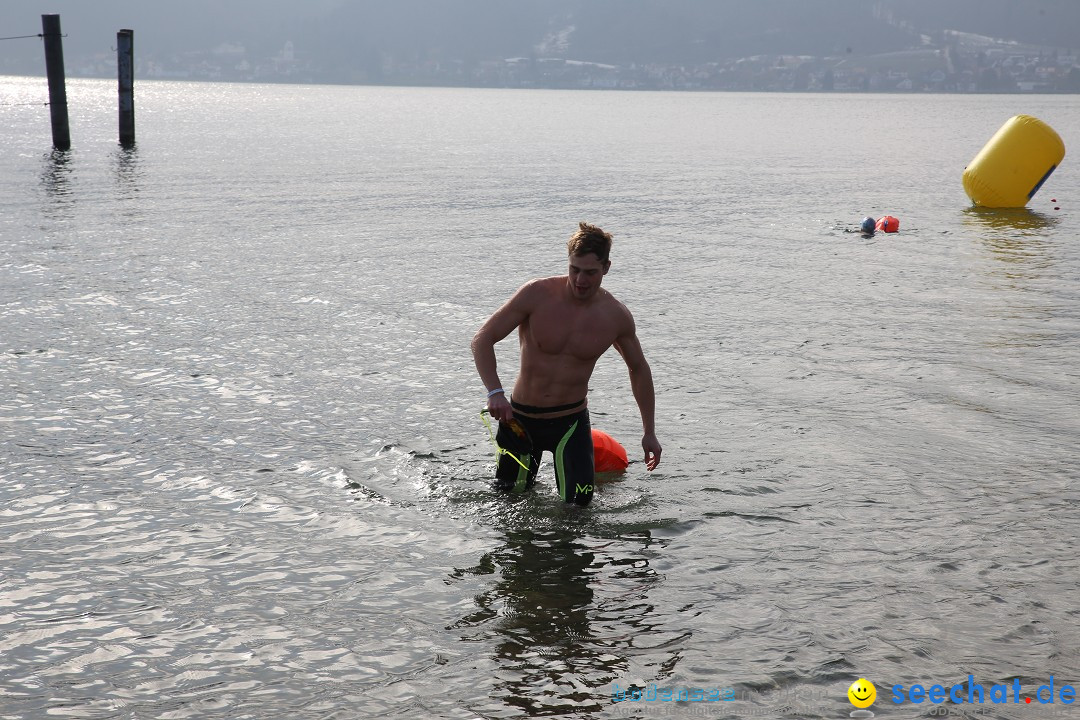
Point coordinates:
pixel 862 693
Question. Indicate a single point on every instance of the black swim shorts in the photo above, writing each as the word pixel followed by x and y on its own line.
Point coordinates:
pixel 567 438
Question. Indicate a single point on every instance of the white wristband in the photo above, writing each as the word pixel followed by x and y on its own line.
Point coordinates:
pixel 496 391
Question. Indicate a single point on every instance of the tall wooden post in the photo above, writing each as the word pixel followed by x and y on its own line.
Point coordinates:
pixel 125 66
pixel 54 68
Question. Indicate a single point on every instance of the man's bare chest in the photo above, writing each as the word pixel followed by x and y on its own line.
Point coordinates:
pixel 582 334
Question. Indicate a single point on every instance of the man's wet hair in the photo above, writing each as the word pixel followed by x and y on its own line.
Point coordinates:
pixel 590 239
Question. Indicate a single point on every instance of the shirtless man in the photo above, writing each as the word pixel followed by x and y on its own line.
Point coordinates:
pixel 565 324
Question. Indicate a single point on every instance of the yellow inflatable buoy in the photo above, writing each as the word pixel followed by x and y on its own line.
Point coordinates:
pixel 1012 167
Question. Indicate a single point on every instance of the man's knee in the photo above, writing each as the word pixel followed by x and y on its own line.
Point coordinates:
pixel 582 493
pixel 511 477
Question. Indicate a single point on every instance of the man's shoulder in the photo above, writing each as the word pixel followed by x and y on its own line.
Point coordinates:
pixel 613 309
pixel 613 302
pixel 536 292
pixel 543 285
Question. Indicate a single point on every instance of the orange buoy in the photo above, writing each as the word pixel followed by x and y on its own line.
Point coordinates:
pixel 887 224
pixel 608 454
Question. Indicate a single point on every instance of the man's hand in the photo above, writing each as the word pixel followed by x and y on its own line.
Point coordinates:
pixel 499 408
pixel 652 449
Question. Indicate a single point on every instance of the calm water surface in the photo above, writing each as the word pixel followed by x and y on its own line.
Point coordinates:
pixel 243 474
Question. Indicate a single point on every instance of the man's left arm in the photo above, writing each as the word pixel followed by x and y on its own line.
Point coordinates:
pixel 641 382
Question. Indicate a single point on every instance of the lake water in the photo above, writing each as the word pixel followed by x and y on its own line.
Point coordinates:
pixel 243 473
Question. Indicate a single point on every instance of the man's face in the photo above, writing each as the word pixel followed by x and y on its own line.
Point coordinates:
pixel 586 274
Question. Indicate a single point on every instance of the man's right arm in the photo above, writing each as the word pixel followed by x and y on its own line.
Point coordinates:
pixel 513 312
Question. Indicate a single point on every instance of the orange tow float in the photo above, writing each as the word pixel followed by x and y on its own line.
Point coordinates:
pixel 887 224
pixel 608 454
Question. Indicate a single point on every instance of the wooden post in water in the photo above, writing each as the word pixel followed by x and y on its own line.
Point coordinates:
pixel 54 68
pixel 125 66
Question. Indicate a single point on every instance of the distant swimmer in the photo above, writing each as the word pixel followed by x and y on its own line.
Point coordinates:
pixel 866 227
pixel 564 323
pixel 869 226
